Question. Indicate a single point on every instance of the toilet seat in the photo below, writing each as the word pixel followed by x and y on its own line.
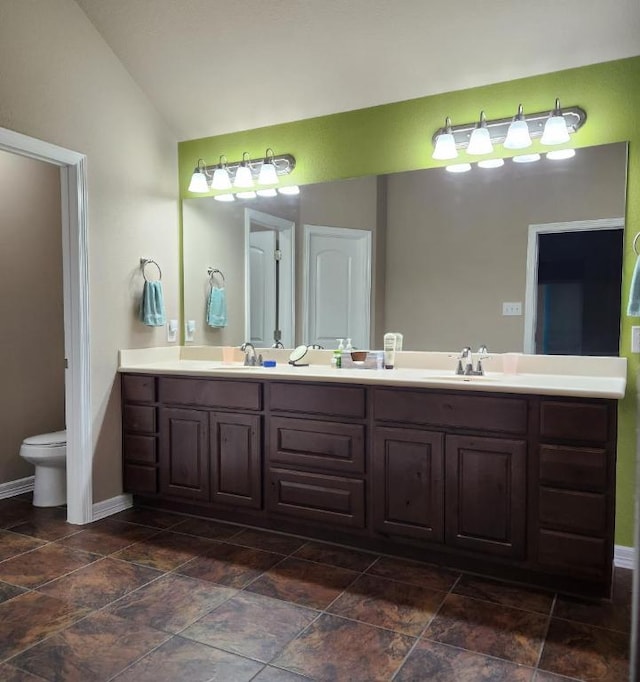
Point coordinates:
pixel 47 440
pixel 47 452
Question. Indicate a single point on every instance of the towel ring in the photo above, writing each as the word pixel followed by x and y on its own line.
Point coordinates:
pixel 212 272
pixel 635 244
pixel 148 261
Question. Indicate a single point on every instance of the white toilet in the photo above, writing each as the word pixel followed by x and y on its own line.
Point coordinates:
pixel 48 453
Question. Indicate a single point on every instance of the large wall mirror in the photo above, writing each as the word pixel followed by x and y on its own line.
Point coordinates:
pixel 448 260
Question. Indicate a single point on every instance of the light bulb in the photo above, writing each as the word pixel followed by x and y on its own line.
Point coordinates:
pixel 221 179
pixel 198 182
pixel 526 158
pixel 224 197
pixel 290 190
pixel 480 140
pixel 243 178
pixel 558 154
pixel 445 144
pixel 458 167
pixel 555 129
pixel 518 136
pixel 491 163
pixel 246 195
pixel 271 192
pixel 268 173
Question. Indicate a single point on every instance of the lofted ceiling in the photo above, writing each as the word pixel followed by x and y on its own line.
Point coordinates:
pixel 218 66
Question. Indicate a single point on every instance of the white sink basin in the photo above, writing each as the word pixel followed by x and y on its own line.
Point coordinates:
pixel 461 378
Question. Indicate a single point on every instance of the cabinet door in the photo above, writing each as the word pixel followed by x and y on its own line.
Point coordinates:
pixel 408 483
pixel 236 461
pixel 485 494
pixel 184 461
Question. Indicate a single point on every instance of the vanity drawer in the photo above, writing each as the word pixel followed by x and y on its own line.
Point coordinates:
pixel 506 415
pixel 574 554
pixel 140 479
pixel 338 401
pixel 574 421
pixel 140 449
pixel 138 389
pixel 139 418
pixel 317 444
pixel 573 511
pixel 203 393
pixel 317 497
pixel 576 468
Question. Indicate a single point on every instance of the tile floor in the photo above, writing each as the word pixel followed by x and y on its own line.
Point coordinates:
pixel 147 595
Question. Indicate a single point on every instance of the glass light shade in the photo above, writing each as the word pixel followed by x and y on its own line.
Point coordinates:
pixel 526 158
pixel 555 131
pixel 224 197
pixel 268 174
pixel 221 179
pixel 445 147
pixel 198 182
pixel 480 142
pixel 458 167
pixel 246 195
pixel 291 190
pixel 518 135
pixel 267 192
pixel 491 163
pixel 558 154
pixel 243 177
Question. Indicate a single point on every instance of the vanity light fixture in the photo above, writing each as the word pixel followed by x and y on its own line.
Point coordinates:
pixel 291 190
pixel 558 154
pixel 480 140
pixel 271 192
pixel 242 174
pixel 458 167
pixel 224 197
pixel 491 163
pixel 249 194
pixel 198 182
pixel 526 158
pixel 445 147
pixel 518 136
pixel 555 129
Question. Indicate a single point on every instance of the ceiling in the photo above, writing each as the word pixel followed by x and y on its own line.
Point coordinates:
pixel 218 66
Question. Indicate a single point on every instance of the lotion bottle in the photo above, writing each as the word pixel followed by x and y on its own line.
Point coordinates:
pixel 389 350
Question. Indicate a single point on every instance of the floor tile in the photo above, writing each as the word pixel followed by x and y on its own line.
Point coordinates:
pixel 543 676
pixel 99 583
pixel 506 594
pixel 166 550
pixel 512 634
pixel 396 606
pixel 13 511
pixel 231 565
pixel 269 542
pixel 43 564
pixel 441 663
pixel 10 674
pixel 171 603
pixel 335 556
pixel 148 517
pixel 604 614
pixel 585 652
pixel 96 648
pixel 12 544
pixel 47 524
pixel 9 592
pixel 251 625
pixel 414 572
pixel 32 616
pixel 336 649
pixel 303 582
pixel 271 674
pixel 106 537
pixel 180 660
pixel 214 530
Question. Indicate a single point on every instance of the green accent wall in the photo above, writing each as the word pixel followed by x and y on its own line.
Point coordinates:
pixel 397 137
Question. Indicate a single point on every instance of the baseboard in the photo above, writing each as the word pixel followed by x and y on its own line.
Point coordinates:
pixel 17 487
pixel 623 557
pixel 111 506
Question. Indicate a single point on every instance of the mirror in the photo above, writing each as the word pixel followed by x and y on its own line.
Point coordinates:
pixel 446 250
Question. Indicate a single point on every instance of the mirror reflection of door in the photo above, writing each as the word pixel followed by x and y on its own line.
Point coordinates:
pixel 577 292
pixel 337 285
pixel 269 272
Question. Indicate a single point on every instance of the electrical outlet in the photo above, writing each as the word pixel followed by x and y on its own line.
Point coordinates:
pixel 635 339
pixel 512 308
pixel 172 331
pixel 189 330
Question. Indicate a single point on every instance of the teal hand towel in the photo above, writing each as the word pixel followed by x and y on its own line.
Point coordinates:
pixel 633 309
pixel 217 307
pixel 152 305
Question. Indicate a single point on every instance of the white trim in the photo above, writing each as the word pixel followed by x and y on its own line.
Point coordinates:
pixel 623 557
pixel 73 179
pixel 111 506
pixel 17 487
pixel 530 296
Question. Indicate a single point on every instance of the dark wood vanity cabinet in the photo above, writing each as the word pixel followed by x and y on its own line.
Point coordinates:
pixel 520 484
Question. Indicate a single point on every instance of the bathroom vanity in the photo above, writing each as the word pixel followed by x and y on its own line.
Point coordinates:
pixel 512 476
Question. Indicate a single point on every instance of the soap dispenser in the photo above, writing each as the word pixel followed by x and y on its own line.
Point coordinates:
pixel 336 360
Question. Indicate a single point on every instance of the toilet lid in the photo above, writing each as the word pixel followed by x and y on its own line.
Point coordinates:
pixel 44 439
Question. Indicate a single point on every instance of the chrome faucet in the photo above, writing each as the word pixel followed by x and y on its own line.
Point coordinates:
pixel 249 360
pixel 465 361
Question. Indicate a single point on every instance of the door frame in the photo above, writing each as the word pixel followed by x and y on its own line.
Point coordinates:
pixel 345 232
pixel 287 229
pixel 77 345
pixel 533 255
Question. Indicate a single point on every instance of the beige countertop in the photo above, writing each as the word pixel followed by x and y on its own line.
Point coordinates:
pixel 598 377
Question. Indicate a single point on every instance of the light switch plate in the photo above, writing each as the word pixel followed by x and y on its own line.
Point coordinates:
pixel 635 339
pixel 512 308
pixel 189 330
pixel 172 331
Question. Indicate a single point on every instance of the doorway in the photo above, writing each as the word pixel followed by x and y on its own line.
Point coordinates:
pixel 73 182
pixel 573 292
